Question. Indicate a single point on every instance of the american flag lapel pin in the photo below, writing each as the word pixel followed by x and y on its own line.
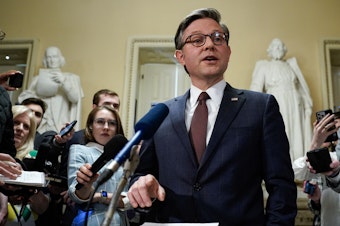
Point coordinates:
pixel 234 99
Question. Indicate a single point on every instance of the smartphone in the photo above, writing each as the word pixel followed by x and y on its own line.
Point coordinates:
pixel 16 80
pixel 319 116
pixel 320 159
pixel 68 128
pixel 309 188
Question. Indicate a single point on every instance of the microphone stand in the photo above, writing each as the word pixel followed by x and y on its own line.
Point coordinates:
pixel 129 167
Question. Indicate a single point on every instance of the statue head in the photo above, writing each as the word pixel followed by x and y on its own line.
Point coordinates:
pixel 277 49
pixel 53 58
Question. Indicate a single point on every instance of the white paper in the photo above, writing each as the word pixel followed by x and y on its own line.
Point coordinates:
pixel 27 178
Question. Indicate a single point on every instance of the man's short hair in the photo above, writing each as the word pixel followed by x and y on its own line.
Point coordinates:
pixel 96 96
pixel 195 15
pixel 35 101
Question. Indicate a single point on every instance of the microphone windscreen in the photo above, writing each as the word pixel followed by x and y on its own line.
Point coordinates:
pixel 152 120
pixel 111 149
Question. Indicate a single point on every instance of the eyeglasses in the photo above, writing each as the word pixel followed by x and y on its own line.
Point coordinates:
pixel 102 122
pixel 198 40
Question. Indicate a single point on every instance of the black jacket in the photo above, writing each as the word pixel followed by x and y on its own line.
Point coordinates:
pixel 6 124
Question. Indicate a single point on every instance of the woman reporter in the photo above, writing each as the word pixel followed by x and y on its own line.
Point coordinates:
pixel 103 123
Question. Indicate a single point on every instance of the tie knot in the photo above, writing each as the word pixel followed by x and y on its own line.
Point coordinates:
pixel 203 96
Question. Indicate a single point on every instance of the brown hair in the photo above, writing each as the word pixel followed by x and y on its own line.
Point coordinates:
pixel 88 129
pixel 96 96
pixel 195 15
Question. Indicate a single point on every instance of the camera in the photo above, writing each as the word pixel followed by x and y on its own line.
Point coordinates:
pixel 16 80
pixel 319 116
pixel 309 188
pixel 48 160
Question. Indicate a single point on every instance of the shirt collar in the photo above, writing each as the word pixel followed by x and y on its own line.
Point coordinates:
pixel 97 146
pixel 215 92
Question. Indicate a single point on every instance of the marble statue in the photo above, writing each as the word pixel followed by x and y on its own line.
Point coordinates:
pixel 284 79
pixel 61 91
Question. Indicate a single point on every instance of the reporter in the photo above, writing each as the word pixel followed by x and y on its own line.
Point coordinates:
pixel 324 202
pixel 24 126
pixel 103 123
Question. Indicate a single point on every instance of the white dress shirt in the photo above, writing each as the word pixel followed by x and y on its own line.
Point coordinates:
pixel 216 93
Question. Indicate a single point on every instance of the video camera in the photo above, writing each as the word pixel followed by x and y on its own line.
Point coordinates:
pixel 48 160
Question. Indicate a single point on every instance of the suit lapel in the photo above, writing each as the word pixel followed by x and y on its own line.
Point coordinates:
pixel 177 109
pixel 231 104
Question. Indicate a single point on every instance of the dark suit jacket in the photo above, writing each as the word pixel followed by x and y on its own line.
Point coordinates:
pixel 248 145
pixel 6 124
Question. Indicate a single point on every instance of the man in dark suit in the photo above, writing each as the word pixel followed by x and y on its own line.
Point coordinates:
pixel 246 145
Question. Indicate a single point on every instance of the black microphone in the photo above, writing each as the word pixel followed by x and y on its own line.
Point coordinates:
pixel 39 162
pixel 111 149
pixel 144 129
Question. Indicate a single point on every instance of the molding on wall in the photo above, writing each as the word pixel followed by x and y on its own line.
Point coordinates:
pixel 327 44
pixel 133 58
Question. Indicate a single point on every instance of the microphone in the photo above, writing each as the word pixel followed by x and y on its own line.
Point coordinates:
pixel 111 149
pixel 39 162
pixel 144 129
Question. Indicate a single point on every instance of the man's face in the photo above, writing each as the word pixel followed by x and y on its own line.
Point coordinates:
pixel 53 58
pixel 208 61
pixel 110 100
pixel 37 111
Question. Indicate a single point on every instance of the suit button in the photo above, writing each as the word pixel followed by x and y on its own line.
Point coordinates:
pixel 197 186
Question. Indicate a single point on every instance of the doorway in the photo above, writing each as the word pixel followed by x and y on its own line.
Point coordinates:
pixel 158 83
pixel 18 54
pixel 331 74
pixel 152 76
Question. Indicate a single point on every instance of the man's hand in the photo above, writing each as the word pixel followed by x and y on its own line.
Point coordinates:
pixel 316 196
pixel 4 77
pixel 63 139
pixel 143 190
pixel 321 131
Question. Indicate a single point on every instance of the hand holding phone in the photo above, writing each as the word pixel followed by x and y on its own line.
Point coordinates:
pixel 319 116
pixel 320 160
pixel 68 128
pixel 16 80
pixel 308 187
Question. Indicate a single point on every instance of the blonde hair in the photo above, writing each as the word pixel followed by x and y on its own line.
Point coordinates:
pixel 29 143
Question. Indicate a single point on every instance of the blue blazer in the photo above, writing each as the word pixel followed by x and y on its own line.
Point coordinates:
pixel 248 145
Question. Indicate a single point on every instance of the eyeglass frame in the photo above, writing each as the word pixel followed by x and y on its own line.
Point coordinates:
pixel 223 35
pixel 113 122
